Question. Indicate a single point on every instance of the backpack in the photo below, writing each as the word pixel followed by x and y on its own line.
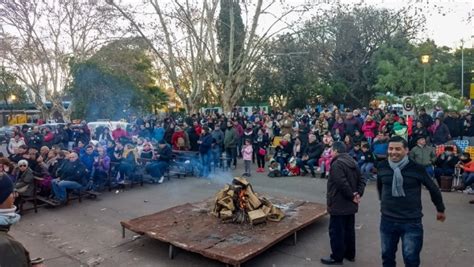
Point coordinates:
pixel 180 143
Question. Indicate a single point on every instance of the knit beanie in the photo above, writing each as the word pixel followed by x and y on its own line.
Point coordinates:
pixel 6 188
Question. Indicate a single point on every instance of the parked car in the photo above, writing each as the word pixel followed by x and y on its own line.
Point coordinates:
pixel 6 132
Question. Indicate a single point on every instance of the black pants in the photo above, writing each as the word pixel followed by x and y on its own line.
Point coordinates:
pixel 231 155
pixel 342 236
pixel 261 161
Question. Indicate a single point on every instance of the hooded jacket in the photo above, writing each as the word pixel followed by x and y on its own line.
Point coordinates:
pixel 12 252
pixel 344 180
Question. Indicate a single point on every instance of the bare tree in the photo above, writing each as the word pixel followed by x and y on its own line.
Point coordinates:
pixel 41 39
pixel 184 41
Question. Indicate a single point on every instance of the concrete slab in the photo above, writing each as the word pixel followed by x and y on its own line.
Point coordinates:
pixel 93 226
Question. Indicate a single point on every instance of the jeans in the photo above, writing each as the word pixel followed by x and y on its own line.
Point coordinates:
pixel 60 187
pixel 216 155
pixel 205 164
pixel 157 169
pixel 411 235
pixel 310 162
pixel 430 171
pixel 247 164
pixel 468 178
pixel 366 170
pixel 342 236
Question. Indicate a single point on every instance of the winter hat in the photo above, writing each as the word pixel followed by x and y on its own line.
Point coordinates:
pixel 162 142
pixel 418 138
pixel 6 188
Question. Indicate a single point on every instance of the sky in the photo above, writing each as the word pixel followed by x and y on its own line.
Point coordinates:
pixel 446 20
pixel 447 24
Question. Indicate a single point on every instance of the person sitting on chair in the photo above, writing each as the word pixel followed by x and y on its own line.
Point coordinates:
pixel 101 169
pixel 72 175
pixel 24 181
pixel 467 167
pixel 161 162
pixel 445 164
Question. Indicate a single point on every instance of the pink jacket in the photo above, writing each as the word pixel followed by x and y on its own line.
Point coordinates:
pixel 369 128
pixel 326 154
pixel 247 152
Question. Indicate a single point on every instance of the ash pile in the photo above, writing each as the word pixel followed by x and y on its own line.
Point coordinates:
pixel 238 203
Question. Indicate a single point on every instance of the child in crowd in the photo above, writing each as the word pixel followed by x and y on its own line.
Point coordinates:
pixel 292 167
pixel 366 162
pixel 356 153
pixel 274 168
pixel 324 162
pixel 247 152
pixel 337 135
pixel 327 138
pixel 380 148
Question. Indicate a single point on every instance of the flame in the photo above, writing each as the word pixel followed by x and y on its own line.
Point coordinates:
pixel 242 199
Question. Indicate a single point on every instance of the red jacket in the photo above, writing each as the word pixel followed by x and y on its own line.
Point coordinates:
pixel 174 139
pixel 117 133
pixel 469 167
pixel 369 128
pixel 49 137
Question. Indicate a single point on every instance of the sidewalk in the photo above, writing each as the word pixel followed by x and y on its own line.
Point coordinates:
pixel 89 233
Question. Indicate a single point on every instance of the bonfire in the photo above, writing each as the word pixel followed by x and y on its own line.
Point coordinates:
pixel 238 203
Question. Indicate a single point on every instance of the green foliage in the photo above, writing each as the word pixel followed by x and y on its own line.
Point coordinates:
pixel 399 69
pixel 223 25
pixel 9 87
pixel 116 81
pixel 439 99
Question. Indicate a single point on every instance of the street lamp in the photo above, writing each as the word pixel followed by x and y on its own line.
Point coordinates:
pixel 425 59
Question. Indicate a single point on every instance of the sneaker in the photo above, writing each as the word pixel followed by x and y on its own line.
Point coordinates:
pixel 469 191
pixel 161 180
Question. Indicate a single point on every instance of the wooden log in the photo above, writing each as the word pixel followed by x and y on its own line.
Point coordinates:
pixel 225 214
pixel 257 216
pixel 227 203
pixel 253 199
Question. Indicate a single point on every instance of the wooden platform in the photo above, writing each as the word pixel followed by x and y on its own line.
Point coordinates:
pixel 191 228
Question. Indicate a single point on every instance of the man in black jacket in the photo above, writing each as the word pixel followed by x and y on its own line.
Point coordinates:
pixel 311 155
pixel 72 175
pixel 162 159
pixel 399 184
pixel 344 188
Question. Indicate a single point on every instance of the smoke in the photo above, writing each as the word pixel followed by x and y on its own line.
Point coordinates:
pixel 221 177
pixel 216 174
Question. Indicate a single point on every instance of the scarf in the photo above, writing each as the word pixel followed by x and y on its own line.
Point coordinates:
pixel 8 216
pixel 397 182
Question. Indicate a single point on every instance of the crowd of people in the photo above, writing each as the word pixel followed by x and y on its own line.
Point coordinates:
pixel 298 143
pixel 290 144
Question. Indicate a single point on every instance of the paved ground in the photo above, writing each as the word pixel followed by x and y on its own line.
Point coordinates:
pixel 89 233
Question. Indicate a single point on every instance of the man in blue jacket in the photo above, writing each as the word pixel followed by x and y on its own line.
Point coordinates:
pixel 205 144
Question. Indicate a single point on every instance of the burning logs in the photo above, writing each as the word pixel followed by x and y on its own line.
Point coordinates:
pixel 238 203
